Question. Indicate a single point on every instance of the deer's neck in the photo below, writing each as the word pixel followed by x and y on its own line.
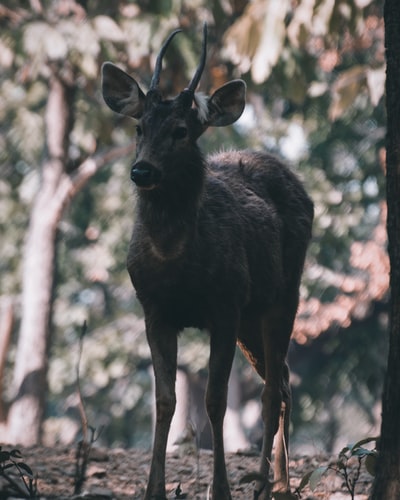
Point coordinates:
pixel 168 216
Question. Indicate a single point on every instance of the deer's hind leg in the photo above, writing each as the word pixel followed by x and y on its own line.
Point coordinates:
pixel 264 339
pixel 276 398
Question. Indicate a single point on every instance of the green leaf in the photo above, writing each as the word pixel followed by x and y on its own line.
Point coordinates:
pixel 304 481
pixel 16 453
pixel 365 441
pixel 25 468
pixel 4 456
pixel 347 87
pixel 273 32
pixel 316 476
pixel 344 450
pixel 360 452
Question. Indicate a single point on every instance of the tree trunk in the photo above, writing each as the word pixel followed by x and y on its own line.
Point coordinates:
pixel 30 371
pixel 27 409
pixel 57 189
pixel 387 480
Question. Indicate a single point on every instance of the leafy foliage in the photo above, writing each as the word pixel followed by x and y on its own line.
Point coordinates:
pixel 18 475
pixel 314 72
pixel 349 453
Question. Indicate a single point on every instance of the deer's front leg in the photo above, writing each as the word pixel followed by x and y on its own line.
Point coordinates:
pixel 222 350
pixel 163 345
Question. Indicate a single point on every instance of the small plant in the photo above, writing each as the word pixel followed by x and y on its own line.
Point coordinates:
pixel 344 466
pixel 179 494
pixel 18 475
pixel 85 444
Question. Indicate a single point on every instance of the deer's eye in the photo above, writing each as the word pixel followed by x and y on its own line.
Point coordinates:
pixel 179 133
pixel 139 130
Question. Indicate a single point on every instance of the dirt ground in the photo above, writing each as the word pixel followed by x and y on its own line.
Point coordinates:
pixel 122 474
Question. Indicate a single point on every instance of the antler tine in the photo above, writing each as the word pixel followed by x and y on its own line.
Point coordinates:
pixel 157 70
pixel 196 78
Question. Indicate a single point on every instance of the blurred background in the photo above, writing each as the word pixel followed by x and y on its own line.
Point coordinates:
pixel 315 75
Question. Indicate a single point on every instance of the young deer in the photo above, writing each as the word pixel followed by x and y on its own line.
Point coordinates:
pixel 218 244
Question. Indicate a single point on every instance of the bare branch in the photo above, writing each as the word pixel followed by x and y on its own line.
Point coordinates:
pixel 92 164
pixel 70 185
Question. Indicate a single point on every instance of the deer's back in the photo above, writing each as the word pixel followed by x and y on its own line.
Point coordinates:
pixel 270 180
pixel 260 179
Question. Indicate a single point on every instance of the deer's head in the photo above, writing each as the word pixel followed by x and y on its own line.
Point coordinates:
pixel 167 129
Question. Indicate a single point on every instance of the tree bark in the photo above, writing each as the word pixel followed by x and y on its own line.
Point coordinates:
pixel 57 189
pixel 27 409
pixel 387 480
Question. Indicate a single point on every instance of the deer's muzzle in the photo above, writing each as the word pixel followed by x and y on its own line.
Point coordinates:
pixel 145 175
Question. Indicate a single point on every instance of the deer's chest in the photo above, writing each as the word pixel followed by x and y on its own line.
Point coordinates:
pixel 189 288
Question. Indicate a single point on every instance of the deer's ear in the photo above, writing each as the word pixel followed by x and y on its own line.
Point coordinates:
pixel 227 104
pixel 121 92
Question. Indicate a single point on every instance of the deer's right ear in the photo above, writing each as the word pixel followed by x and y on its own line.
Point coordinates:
pixel 121 92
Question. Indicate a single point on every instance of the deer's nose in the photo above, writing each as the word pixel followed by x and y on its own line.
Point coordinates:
pixel 145 175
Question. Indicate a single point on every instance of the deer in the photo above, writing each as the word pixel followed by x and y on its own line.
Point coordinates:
pixel 218 244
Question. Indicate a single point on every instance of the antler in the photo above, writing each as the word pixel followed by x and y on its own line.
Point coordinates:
pixel 196 78
pixel 157 70
pixel 186 97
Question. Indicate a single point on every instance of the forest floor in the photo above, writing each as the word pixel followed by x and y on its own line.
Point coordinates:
pixel 122 474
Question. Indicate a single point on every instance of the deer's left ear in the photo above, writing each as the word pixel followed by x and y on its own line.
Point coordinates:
pixel 226 104
pixel 121 92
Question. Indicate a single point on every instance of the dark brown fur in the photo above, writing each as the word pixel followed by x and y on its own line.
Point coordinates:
pixel 218 244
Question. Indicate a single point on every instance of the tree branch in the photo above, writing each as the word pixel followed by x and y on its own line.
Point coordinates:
pixel 92 164
pixel 71 184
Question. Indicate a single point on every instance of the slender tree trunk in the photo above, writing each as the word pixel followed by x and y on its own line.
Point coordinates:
pixel 30 371
pixel 387 480
pixel 58 187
